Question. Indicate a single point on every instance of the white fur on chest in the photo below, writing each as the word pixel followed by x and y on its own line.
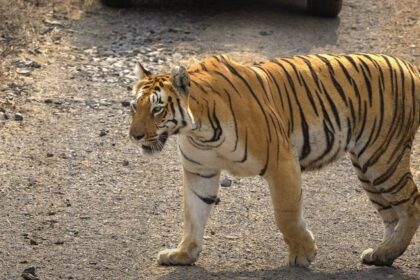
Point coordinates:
pixel 220 158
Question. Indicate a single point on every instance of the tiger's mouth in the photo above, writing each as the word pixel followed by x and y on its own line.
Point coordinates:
pixel 155 146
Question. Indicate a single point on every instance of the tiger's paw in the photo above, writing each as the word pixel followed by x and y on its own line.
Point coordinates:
pixel 373 257
pixel 302 258
pixel 302 254
pixel 176 257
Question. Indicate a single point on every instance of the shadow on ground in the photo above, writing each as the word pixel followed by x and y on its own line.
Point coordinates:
pixel 196 272
pixel 269 28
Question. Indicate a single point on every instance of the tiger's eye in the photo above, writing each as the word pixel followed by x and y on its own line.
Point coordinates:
pixel 157 110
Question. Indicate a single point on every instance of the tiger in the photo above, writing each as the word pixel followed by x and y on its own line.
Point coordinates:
pixel 276 119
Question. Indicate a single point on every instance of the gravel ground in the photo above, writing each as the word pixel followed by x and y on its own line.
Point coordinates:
pixel 79 201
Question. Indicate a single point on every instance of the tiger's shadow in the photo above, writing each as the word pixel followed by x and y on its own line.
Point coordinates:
pixel 197 272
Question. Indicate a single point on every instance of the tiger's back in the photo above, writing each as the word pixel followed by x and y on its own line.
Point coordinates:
pixel 323 105
pixel 333 104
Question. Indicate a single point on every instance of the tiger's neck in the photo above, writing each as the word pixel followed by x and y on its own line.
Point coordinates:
pixel 203 105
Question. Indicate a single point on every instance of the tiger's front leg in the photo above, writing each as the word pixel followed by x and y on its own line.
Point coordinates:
pixel 200 193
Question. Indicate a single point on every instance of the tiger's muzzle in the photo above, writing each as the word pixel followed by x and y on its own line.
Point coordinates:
pixel 151 146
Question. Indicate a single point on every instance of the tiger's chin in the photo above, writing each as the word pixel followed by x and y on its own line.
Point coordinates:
pixel 151 149
pixel 156 146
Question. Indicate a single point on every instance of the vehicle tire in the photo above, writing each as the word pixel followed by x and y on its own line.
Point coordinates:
pixel 324 8
pixel 117 3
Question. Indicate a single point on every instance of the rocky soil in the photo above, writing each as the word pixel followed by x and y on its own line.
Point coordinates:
pixel 77 198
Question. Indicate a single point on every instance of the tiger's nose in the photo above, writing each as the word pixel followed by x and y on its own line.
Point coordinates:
pixel 137 136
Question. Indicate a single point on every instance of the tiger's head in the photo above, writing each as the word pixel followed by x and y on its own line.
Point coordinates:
pixel 158 109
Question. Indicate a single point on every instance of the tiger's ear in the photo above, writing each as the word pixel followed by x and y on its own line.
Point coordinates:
pixel 180 79
pixel 141 73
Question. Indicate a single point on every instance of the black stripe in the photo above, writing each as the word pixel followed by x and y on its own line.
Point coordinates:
pixel 404 200
pixel 203 66
pixel 351 60
pixel 261 82
pixel 273 79
pixel 381 114
pixel 245 156
pixel 345 71
pixel 353 115
pixel 171 105
pixel 378 68
pixel 382 207
pixel 274 117
pixel 359 99
pixel 215 124
pixel 199 86
pixel 336 84
pixel 370 191
pixel 235 123
pixel 369 139
pixel 329 137
pixel 262 172
pixel 235 72
pixel 394 125
pixel 399 185
pixel 208 200
pixel 306 148
pixel 357 166
pixel 349 130
pixel 333 107
pixel 390 171
pixel 290 123
pixel 368 86
pixel 206 176
pixel 363 180
pixel 227 80
pixel 297 72
pixel 402 92
pixel 415 199
pixel 362 129
pixel 310 97
pixel 311 69
pixel 207 84
pixel 201 146
pixel 275 114
pixel 365 66
pixel 304 84
pixel 324 111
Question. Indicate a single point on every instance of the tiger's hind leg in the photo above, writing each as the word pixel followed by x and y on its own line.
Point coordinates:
pixel 391 189
pixel 383 207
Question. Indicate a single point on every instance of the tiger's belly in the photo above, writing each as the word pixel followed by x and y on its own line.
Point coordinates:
pixel 314 149
pixel 321 145
pixel 251 168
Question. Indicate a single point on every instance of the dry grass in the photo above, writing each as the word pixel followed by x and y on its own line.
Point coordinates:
pixel 22 24
pixel 19 26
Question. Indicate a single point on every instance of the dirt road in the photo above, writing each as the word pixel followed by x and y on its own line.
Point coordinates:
pixel 79 201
